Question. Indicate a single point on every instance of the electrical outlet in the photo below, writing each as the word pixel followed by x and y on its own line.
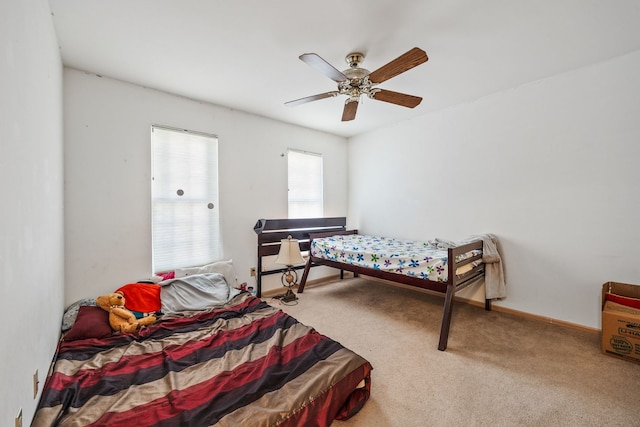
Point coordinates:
pixel 252 271
pixel 19 418
pixel 35 384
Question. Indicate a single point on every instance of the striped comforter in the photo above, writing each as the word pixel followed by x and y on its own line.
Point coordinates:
pixel 242 364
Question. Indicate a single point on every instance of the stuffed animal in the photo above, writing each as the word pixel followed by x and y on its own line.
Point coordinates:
pixel 120 318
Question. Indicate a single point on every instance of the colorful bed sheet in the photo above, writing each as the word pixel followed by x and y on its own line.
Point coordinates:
pixel 243 363
pixel 409 257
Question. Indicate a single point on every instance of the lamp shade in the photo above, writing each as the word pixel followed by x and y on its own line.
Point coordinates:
pixel 289 252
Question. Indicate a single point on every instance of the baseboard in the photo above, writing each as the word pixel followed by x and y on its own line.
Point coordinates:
pixel 494 307
pixel 544 319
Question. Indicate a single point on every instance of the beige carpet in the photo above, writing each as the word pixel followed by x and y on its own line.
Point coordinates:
pixel 498 370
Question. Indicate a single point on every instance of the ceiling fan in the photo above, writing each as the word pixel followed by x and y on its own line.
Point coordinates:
pixel 356 81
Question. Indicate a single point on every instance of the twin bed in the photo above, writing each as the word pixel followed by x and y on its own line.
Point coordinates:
pixel 439 266
pixel 237 362
pixel 428 266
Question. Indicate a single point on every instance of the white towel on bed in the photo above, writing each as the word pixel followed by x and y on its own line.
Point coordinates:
pixel 494 283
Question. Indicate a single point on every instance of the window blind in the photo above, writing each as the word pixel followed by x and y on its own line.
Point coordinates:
pixel 305 182
pixel 184 193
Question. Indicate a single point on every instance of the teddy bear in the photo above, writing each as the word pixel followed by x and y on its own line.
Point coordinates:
pixel 121 318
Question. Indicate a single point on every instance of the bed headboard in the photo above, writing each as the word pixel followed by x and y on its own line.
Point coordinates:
pixel 271 231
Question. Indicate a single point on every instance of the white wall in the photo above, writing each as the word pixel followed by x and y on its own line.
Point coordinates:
pixel 107 177
pixel 551 168
pixel 31 216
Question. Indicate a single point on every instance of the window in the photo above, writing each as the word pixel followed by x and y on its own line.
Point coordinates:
pixel 305 184
pixel 184 199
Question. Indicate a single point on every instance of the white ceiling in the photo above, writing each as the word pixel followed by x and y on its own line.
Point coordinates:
pixel 243 54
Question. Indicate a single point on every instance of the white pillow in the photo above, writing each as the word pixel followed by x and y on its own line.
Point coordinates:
pixel 223 267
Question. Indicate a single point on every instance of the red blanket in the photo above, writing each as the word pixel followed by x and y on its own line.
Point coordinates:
pixel 142 297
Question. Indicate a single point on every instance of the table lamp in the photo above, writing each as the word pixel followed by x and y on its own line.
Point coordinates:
pixel 289 255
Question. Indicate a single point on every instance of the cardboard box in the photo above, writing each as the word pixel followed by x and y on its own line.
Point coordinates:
pixel 621 323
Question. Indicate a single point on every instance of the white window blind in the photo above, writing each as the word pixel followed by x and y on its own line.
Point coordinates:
pixel 305 181
pixel 184 199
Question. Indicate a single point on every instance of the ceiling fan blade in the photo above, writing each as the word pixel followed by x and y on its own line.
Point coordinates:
pixel 349 112
pixel 311 98
pixel 323 66
pixel 403 63
pixel 397 98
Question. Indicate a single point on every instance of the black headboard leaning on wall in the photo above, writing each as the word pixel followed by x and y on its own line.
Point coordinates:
pixel 271 231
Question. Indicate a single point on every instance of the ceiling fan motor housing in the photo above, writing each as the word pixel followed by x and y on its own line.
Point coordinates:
pixel 354 71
